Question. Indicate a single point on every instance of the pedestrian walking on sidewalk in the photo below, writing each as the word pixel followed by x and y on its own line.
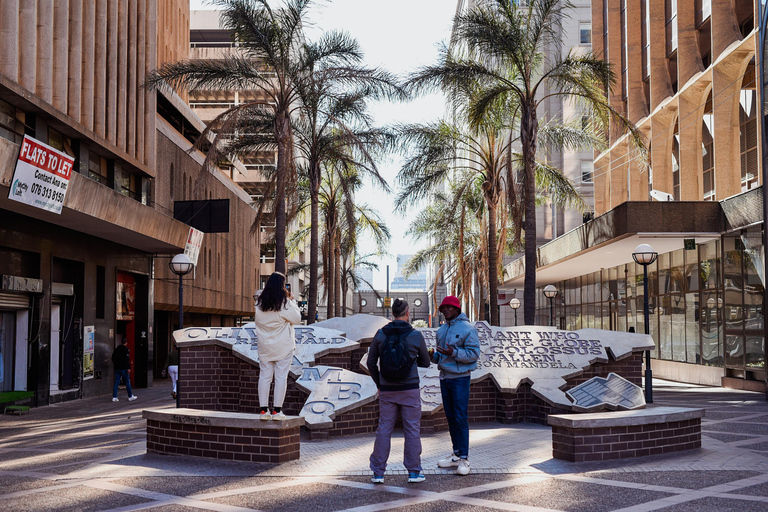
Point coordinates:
pixel 458 348
pixel 172 368
pixel 121 359
pixel 276 314
pixel 396 353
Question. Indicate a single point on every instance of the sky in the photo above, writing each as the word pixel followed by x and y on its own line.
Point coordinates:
pixel 399 35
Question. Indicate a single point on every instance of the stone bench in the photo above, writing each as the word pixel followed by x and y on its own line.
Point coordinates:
pixel 222 435
pixel 625 434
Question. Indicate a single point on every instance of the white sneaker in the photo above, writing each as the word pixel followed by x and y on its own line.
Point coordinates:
pixel 132 398
pixel 278 416
pixel 463 468
pixel 265 415
pixel 115 399
pixel 450 462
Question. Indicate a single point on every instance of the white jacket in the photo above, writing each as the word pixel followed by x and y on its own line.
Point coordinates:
pixel 275 331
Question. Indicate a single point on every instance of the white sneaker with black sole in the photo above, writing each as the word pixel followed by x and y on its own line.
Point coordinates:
pixel 463 468
pixel 449 462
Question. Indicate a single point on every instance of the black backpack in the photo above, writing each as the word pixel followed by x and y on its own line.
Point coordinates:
pixel 395 359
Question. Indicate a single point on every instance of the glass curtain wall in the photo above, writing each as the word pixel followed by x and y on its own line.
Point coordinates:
pixel 705 305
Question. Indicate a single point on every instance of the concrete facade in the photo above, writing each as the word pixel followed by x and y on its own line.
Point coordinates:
pixel 74 81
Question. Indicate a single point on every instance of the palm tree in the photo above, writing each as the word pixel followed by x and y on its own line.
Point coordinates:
pixel 451 223
pixel 476 158
pixel 505 63
pixel 271 59
pixel 334 126
pixel 366 221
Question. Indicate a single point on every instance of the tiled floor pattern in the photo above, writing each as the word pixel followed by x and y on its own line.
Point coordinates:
pixel 90 456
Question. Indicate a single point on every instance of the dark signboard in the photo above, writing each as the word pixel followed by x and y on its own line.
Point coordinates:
pixel 209 216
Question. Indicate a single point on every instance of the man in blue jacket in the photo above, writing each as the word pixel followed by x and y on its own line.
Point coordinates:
pixel 458 348
pixel 398 395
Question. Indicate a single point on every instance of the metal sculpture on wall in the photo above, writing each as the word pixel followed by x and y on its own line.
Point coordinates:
pixel 613 393
pixel 544 357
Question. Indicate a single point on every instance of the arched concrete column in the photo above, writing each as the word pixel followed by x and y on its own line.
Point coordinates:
pixel 662 128
pixel 692 102
pixel 661 85
pixel 689 61
pixel 725 27
pixel 727 82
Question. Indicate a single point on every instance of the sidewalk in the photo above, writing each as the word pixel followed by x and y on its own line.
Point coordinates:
pixel 92 454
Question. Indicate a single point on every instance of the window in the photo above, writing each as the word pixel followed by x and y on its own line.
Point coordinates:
pixel 676 162
pixel 624 54
pixel 645 36
pixel 97 168
pixel 417 302
pixel 708 151
pixel 59 141
pixel 130 185
pixel 363 302
pixel 587 169
pixel 585 32
pixel 14 123
pixel 671 25
pixel 748 130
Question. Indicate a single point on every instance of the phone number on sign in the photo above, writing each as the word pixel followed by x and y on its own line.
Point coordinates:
pixel 46 192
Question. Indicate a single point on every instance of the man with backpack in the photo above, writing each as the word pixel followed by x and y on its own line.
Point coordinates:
pixel 396 352
pixel 458 348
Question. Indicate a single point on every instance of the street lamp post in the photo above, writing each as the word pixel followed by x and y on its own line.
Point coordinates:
pixel 645 255
pixel 550 292
pixel 180 265
pixel 515 304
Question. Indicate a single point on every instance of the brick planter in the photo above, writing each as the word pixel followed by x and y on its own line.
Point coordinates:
pixel 222 435
pixel 625 434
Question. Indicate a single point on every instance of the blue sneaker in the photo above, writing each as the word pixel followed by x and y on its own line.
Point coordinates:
pixel 378 479
pixel 415 477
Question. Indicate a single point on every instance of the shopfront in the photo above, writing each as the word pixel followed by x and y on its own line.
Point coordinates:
pixel 705 295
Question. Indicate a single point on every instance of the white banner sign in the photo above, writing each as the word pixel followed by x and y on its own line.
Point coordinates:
pixel 194 242
pixel 42 176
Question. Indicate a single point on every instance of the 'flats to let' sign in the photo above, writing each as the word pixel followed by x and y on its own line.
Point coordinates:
pixel 41 176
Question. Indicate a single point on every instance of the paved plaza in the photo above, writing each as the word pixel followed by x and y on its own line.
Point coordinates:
pixel 89 455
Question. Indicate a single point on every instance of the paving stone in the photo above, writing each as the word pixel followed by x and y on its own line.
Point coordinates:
pixel 317 497
pixel 31 461
pixel 754 490
pixel 74 499
pixel 571 496
pixel 761 447
pixel 441 506
pixel 172 508
pixel 439 483
pixel 14 483
pixel 190 485
pixel 724 436
pixel 718 505
pixel 682 479
pixel 739 428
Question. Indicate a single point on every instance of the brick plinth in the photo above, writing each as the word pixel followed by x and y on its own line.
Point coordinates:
pixel 220 435
pixel 213 378
pixel 625 434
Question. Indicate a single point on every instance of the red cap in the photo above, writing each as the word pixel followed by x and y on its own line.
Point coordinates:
pixel 450 300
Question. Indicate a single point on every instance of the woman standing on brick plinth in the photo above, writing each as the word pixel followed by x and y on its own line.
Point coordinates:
pixel 276 314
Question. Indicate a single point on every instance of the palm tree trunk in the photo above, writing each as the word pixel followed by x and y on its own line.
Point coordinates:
pixel 344 287
pixel 493 264
pixel 528 133
pixel 337 279
pixel 330 279
pixel 283 138
pixel 314 243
